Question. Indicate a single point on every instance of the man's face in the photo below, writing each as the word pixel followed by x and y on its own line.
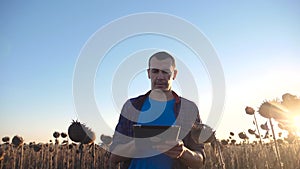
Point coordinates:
pixel 161 73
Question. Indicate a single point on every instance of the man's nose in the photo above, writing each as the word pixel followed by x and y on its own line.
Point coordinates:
pixel 160 75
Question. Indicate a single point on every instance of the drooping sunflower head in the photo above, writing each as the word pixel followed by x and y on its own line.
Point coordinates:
pixel 80 133
pixel 17 141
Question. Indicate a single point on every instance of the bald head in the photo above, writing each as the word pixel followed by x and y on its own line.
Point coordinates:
pixel 162 56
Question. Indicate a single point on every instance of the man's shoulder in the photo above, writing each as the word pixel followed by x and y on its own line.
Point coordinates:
pixel 187 101
pixel 138 98
pixel 138 101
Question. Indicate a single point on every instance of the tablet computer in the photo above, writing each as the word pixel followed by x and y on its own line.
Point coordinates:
pixel 155 134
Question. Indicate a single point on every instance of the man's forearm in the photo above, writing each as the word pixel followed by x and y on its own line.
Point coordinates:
pixel 120 149
pixel 193 159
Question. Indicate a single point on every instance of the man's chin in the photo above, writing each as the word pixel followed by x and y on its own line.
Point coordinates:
pixel 161 89
pixel 160 86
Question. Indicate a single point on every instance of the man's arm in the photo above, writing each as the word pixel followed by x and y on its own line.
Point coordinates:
pixel 192 159
pixel 122 143
pixel 127 149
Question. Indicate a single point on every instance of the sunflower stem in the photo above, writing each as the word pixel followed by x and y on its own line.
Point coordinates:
pixel 276 146
pixel 257 129
pixel 81 155
pixel 94 158
pixel 222 163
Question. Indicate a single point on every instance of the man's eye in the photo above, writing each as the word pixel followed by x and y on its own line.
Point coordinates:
pixel 154 70
pixel 164 72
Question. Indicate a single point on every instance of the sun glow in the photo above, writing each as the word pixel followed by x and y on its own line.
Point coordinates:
pixel 297 122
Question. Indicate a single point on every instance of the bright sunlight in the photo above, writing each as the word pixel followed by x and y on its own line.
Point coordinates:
pixel 297 124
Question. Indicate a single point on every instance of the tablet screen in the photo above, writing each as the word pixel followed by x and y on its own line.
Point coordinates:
pixel 156 134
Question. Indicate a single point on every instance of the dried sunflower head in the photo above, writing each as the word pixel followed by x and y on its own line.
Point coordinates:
pixel 17 141
pixel 56 134
pixel 5 139
pixel 273 109
pixel 249 110
pixel 224 142
pixel 106 139
pixel 292 103
pixel 264 126
pixel 243 135
pixel 232 141
pixel 37 147
pixel 250 131
pixel 78 132
pixel 257 136
pixel 90 136
pixel 63 135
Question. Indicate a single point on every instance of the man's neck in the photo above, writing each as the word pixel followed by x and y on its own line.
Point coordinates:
pixel 161 95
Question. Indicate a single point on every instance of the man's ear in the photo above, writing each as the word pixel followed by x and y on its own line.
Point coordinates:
pixel 175 74
pixel 148 71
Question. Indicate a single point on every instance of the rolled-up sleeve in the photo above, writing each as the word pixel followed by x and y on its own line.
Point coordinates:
pixel 123 130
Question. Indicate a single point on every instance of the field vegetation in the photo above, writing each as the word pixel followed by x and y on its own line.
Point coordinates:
pixel 268 148
pixel 63 155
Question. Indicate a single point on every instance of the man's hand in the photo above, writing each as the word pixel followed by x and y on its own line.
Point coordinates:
pixel 173 149
pixel 177 150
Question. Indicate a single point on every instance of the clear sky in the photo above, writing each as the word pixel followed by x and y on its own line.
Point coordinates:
pixel 257 44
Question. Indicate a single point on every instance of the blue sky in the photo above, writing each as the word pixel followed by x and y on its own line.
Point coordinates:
pixel 257 44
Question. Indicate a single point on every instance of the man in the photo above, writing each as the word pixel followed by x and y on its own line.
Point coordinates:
pixel 182 153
